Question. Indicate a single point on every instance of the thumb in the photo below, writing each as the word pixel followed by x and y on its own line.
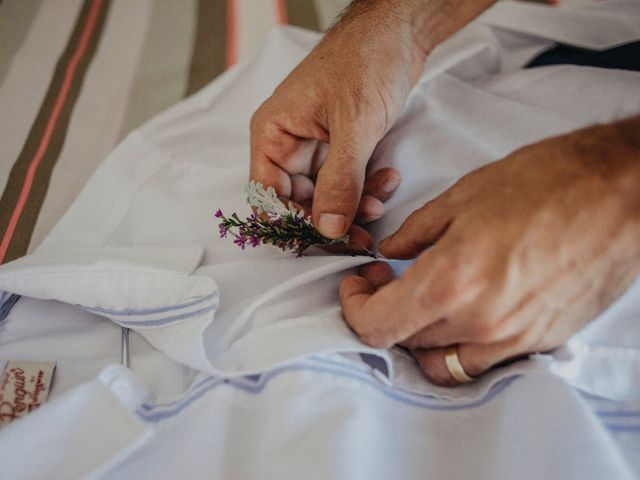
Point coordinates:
pixel 420 230
pixel 339 184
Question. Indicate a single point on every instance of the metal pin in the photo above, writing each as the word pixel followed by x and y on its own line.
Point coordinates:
pixel 124 353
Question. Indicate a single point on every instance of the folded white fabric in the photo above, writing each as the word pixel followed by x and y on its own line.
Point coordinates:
pixel 323 416
pixel 132 258
pixel 274 397
pixel 98 424
pixel 139 288
pixel 596 26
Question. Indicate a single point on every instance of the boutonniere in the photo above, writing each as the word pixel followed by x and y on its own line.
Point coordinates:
pixel 273 223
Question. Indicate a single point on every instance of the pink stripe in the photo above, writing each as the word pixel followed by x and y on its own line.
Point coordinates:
pixel 51 124
pixel 281 12
pixel 232 34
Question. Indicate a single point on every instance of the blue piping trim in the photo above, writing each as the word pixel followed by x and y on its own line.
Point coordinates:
pixel 150 407
pixel 366 370
pixel 619 414
pixel 150 413
pixel 624 428
pixel 151 311
pixel 7 305
pixel 171 319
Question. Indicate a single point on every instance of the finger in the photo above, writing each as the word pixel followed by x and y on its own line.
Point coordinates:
pixel 319 157
pixel 429 290
pixel 264 171
pixel 421 229
pixel 359 240
pixel 378 188
pixel 451 281
pixel 295 155
pixel 276 154
pixel 382 183
pixel 378 274
pixel 369 209
pixel 301 189
pixel 475 359
pixel 355 297
pixel 340 182
pixel 385 317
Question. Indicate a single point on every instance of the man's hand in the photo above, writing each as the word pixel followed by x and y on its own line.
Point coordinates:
pixel 514 258
pixel 348 93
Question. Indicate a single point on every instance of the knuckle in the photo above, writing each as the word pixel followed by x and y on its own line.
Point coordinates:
pixel 445 292
pixel 257 120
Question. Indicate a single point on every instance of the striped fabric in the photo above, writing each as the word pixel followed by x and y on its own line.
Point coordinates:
pixel 77 75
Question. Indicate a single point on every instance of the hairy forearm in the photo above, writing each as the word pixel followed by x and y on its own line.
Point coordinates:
pixel 433 21
pixel 437 20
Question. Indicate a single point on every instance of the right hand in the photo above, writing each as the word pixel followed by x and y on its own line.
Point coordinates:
pixel 346 93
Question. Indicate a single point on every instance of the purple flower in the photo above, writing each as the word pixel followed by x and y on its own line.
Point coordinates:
pixel 241 240
pixel 288 232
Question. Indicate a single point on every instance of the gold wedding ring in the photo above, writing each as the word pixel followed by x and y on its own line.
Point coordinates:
pixel 454 366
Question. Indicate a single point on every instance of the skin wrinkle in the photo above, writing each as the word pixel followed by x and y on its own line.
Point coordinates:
pixel 594 263
pixel 545 283
pixel 343 99
pixel 521 253
pixel 604 297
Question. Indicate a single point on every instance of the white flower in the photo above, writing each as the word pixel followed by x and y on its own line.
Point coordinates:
pixel 267 201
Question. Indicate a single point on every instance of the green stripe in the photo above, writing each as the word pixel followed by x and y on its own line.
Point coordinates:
pixel 302 13
pixel 209 46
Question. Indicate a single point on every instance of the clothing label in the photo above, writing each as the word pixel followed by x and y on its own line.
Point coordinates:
pixel 24 386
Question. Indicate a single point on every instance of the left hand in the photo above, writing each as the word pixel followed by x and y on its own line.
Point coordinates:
pixel 523 253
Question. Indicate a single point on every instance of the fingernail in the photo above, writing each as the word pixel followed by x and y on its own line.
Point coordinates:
pixel 390 185
pixel 332 224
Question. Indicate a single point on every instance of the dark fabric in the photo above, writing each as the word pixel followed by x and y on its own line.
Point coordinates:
pixel 625 57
